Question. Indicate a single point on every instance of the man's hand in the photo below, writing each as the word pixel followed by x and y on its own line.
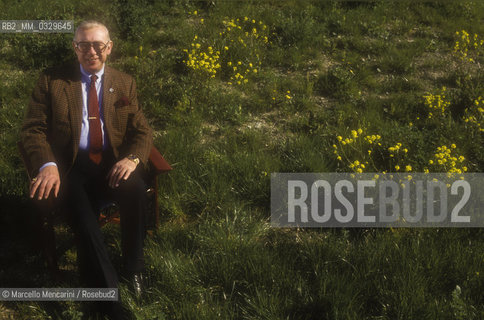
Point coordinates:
pixel 47 179
pixel 121 170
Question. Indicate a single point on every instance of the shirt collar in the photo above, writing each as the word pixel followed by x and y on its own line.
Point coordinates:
pixel 86 76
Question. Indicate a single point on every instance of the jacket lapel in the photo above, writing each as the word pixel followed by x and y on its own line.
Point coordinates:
pixel 74 94
pixel 109 98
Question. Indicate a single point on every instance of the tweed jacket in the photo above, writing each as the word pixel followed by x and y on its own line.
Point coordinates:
pixel 52 126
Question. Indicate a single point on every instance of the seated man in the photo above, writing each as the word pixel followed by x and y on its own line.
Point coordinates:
pixel 85 135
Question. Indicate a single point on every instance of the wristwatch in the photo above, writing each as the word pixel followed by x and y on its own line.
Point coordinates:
pixel 133 158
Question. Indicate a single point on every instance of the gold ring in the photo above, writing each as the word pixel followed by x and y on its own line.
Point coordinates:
pixel 34 179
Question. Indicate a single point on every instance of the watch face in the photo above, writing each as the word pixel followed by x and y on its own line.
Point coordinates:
pixel 133 158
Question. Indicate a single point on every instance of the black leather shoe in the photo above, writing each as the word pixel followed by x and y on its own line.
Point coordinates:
pixel 136 282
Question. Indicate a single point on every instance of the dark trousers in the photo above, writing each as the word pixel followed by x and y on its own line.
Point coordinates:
pixel 86 187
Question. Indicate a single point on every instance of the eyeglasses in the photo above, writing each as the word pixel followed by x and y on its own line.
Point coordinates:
pixel 85 46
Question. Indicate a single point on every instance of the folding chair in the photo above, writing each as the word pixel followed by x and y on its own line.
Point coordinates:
pixel 109 212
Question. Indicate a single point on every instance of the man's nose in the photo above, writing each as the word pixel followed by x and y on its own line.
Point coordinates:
pixel 91 50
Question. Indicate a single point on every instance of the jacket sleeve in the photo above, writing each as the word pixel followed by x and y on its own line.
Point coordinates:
pixel 139 136
pixel 35 130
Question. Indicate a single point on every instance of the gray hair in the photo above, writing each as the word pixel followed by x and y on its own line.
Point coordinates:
pixel 88 24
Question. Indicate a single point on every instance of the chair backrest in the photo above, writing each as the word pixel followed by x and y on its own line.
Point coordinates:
pixel 157 161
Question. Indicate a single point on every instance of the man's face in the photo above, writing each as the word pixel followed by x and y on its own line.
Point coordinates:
pixel 92 60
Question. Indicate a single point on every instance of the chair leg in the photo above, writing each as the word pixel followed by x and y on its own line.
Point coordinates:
pixel 47 235
pixel 157 212
pixel 49 246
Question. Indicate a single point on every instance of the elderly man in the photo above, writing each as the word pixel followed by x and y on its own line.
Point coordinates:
pixel 85 136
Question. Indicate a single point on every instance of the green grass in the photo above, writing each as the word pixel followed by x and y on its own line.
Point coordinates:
pixel 328 67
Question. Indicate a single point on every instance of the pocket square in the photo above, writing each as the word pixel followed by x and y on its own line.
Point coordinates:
pixel 124 101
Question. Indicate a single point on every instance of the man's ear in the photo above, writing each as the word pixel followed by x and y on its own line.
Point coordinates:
pixel 110 47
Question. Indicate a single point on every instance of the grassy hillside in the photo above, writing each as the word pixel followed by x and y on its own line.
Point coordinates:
pixel 236 90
